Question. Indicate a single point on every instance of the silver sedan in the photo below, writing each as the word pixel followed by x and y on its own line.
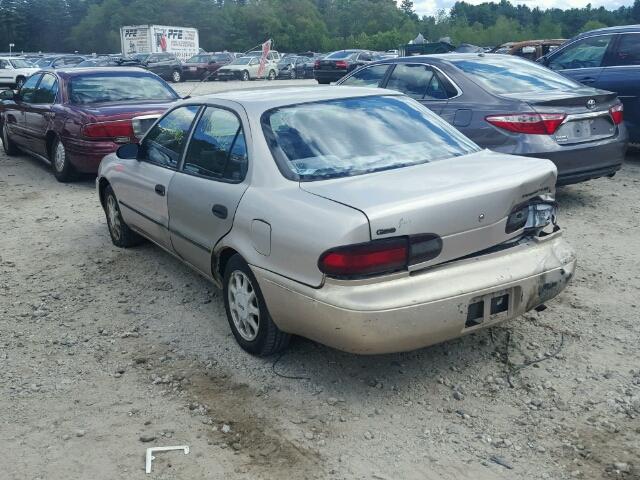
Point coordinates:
pixel 351 216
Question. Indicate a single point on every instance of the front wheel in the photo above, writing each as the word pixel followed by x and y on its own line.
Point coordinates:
pixel 247 313
pixel 293 75
pixel 245 76
pixel 7 144
pixel 272 75
pixel 20 82
pixel 121 235
pixel 323 82
pixel 62 168
pixel 176 76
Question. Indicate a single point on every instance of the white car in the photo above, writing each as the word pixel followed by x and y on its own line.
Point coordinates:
pixel 246 68
pixel 14 71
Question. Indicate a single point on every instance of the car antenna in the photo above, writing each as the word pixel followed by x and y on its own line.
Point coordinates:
pixel 207 76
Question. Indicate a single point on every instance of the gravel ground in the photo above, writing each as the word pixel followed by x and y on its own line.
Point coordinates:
pixel 106 352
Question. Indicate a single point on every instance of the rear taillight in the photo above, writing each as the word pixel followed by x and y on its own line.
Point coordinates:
pixel 534 215
pixel 530 123
pixel 316 64
pixel 617 114
pixel 120 131
pixel 341 64
pixel 379 256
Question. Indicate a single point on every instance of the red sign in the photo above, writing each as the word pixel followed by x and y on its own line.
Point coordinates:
pixel 266 48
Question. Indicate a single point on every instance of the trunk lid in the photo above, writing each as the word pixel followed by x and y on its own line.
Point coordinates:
pixel 465 200
pixel 587 109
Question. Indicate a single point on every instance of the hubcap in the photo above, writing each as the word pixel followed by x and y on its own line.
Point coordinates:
pixel 176 76
pixel 245 76
pixel 243 304
pixel 19 84
pixel 59 157
pixel 113 217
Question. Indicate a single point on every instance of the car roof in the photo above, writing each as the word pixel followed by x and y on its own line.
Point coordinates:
pixel 262 99
pixel 440 58
pixel 618 29
pixel 75 71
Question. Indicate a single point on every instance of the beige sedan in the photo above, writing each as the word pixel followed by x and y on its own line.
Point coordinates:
pixel 351 216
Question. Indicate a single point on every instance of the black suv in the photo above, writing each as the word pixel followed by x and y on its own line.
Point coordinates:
pixel 165 65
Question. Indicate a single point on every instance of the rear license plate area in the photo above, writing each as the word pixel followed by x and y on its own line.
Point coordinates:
pixel 489 308
pixel 577 131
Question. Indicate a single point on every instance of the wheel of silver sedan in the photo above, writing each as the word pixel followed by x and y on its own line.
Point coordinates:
pixel 113 218
pixel 243 305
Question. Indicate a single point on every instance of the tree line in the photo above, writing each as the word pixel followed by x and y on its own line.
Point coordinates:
pixel 294 25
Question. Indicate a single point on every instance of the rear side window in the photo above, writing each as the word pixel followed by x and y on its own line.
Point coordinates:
pixel 217 149
pixel 411 79
pixel 163 145
pixel 356 136
pixel 367 77
pixel 585 53
pixel 505 74
pixel 628 51
pixel 118 87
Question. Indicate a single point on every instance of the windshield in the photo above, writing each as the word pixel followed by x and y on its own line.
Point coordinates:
pixel 354 136
pixel 118 87
pixel 200 59
pixel 242 61
pixel 513 75
pixel 340 55
pixel 45 62
pixel 20 63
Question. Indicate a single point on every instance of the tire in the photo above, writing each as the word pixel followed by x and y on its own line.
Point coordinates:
pixel 293 75
pixel 60 164
pixel 176 76
pixel 245 76
pixel 20 82
pixel 7 144
pixel 243 300
pixel 121 235
pixel 272 75
pixel 324 82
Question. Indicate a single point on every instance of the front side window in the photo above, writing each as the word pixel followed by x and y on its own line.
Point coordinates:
pixel 356 136
pixel 585 53
pixel 118 87
pixel 504 75
pixel 367 77
pixel 28 90
pixel 163 145
pixel 628 51
pixel 410 79
pixel 217 148
pixel 47 90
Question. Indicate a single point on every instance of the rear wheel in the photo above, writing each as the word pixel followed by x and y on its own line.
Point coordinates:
pixel 62 168
pixel 7 144
pixel 245 76
pixel 121 235
pixel 176 76
pixel 20 82
pixel 293 75
pixel 247 313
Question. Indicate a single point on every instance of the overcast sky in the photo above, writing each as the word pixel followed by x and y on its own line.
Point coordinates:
pixel 430 7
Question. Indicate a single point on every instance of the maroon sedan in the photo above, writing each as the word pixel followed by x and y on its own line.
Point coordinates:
pixel 72 118
pixel 204 65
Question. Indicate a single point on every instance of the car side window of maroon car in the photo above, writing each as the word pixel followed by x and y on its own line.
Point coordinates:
pixel 47 90
pixel 163 145
pixel 28 90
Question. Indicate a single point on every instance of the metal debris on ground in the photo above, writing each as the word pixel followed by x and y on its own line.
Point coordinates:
pixel 152 450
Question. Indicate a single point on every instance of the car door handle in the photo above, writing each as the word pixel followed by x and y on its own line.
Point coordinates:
pixel 160 190
pixel 220 211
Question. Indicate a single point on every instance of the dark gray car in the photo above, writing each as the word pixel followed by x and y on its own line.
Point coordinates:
pixel 514 106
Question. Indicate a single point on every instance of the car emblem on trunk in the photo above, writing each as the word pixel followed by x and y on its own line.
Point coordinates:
pixel 591 103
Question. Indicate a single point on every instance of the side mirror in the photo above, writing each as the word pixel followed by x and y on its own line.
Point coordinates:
pixel 9 95
pixel 128 151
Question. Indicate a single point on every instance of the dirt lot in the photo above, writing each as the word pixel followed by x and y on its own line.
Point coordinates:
pixel 106 352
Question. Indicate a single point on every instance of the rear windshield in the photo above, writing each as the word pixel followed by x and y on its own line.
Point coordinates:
pixel 354 136
pixel 513 75
pixel 200 59
pixel 118 87
pixel 339 55
pixel 20 63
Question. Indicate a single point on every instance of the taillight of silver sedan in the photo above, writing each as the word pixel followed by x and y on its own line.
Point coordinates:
pixel 354 217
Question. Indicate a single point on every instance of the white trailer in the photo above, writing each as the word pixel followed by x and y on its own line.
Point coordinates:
pixel 181 41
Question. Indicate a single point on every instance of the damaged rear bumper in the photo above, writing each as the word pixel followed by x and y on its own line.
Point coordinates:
pixel 409 311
